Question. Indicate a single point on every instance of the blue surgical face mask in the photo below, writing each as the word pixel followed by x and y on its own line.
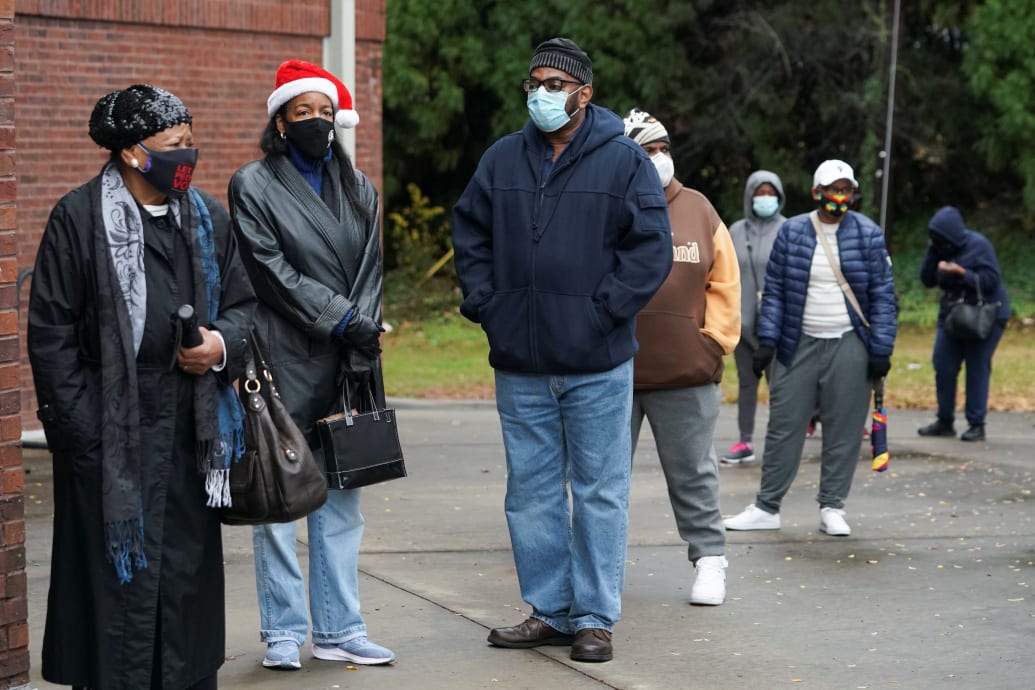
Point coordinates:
pixel 765 206
pixel 547 109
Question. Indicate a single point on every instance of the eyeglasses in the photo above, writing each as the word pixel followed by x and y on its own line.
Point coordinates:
pixel 840 191
pixel 553 84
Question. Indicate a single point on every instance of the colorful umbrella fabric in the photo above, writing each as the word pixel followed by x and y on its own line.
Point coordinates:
pixel 879 429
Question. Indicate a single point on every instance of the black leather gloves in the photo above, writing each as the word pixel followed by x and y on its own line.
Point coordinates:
pixel 761 359
pixel 878 368
pixel 364 335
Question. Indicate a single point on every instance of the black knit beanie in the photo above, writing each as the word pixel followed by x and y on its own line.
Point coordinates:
pixel 563 54
pixel 127 117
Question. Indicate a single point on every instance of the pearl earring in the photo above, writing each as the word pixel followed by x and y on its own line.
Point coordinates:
pixel 133 162
pixel 282 136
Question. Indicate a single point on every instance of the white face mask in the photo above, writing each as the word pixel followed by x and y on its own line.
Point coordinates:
pixel 666 169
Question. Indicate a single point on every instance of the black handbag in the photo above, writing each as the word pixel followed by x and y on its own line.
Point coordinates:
pixel 970 322
pixel 277 479
pixel 361 449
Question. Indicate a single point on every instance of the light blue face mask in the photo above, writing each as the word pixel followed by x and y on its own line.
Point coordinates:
pixel 547 109
pixel 765 206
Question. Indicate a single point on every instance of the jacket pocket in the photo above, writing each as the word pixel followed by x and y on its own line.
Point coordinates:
pixel 571 335
pixel 77 428
pixel 505 318
pixel 674 352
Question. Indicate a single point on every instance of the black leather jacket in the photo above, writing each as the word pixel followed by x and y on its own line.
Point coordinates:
pixel 308 269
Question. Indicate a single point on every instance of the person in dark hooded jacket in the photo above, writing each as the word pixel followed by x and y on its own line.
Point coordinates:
pixel 961 262
pixel 561 237
pixel 753 237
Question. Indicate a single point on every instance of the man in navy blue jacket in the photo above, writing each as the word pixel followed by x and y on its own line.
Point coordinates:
pixel 830 341
pixel 561 237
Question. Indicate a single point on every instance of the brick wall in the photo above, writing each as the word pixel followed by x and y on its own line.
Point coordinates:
pixel 370 34
pixel 14 631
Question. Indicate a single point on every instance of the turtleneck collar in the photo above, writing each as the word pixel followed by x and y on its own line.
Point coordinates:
pixel 312 170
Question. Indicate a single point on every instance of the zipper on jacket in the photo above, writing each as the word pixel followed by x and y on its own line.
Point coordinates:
pixel 538 208
pixel 536 236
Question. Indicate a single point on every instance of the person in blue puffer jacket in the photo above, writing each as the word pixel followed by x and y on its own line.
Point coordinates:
pixel 828 349
pixel 561 237
pixel 960 262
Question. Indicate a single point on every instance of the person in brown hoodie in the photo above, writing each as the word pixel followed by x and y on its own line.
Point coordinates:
pixel 683 333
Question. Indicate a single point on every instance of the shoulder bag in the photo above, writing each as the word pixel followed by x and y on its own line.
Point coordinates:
pixel 277 479
pixel 360 449
pixel 970 322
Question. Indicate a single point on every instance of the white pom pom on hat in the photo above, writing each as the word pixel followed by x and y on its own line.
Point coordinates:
pixel 296 77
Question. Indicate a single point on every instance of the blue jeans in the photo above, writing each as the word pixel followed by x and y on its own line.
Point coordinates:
pixel 570 558
pixel 335 532
pixel 949 355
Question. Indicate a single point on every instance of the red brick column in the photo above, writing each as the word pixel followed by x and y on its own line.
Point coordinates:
pixel 14 628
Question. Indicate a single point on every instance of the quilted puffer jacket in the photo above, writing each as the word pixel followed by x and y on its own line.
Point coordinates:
pixel 866 266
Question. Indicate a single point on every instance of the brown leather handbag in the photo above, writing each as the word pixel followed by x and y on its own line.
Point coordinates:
pixel 277 479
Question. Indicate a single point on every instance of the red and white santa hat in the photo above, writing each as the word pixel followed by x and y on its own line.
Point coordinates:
pixel 296 77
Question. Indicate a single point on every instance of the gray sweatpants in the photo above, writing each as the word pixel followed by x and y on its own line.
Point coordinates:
pixel 828 375
pixel 683 421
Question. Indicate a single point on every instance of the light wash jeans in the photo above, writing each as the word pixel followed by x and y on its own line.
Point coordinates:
pixel 570 558
pixel 335 532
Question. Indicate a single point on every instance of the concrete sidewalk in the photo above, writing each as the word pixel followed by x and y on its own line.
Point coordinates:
pixel 933 589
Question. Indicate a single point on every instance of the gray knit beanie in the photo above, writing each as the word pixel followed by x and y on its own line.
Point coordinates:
pixel 563 54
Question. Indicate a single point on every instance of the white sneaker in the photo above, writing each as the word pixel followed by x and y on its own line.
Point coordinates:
pixel 832 521
pixel 710 584
pixel 752 518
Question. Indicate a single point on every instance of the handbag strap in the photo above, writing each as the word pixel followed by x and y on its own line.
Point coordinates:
pixel 977 286
pixel 346 403
pixel 963 294
pixel 254 365
pixel 836 267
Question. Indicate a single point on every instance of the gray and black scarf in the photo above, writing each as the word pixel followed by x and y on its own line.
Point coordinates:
pixel 122 310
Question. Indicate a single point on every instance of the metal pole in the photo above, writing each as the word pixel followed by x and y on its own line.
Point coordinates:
pixel 886 175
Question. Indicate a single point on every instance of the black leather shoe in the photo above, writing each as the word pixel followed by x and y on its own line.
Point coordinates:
pixel 938 428
pixel 591 644
pixel 532 633
pixel 976 432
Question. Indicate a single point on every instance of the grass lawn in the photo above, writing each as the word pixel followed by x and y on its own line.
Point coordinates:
pixel 446 357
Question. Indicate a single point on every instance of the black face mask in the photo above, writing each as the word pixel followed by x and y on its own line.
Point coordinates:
pixel 942 247
pixel 169 172
pixel 312 137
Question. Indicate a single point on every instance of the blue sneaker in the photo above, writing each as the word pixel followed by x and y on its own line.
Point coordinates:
pixel 282 654
pixel 358 650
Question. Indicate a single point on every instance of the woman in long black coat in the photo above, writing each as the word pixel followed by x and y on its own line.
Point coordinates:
pixel 142 430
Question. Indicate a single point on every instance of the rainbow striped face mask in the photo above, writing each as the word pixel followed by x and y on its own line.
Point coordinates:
pixel 836 204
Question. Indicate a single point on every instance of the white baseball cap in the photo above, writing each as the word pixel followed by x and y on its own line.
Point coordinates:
pixel 831 171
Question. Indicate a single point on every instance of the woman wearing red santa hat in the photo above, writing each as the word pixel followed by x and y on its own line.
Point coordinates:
pixel 307 223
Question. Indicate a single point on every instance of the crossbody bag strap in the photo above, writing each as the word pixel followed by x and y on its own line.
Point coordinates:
pixel 835 265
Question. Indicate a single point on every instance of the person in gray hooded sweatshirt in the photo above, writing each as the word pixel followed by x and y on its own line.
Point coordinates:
pixel 753 237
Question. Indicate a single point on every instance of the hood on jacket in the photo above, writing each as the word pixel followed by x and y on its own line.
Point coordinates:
pixel 947 224
pixel 599 126
pixel 756 180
